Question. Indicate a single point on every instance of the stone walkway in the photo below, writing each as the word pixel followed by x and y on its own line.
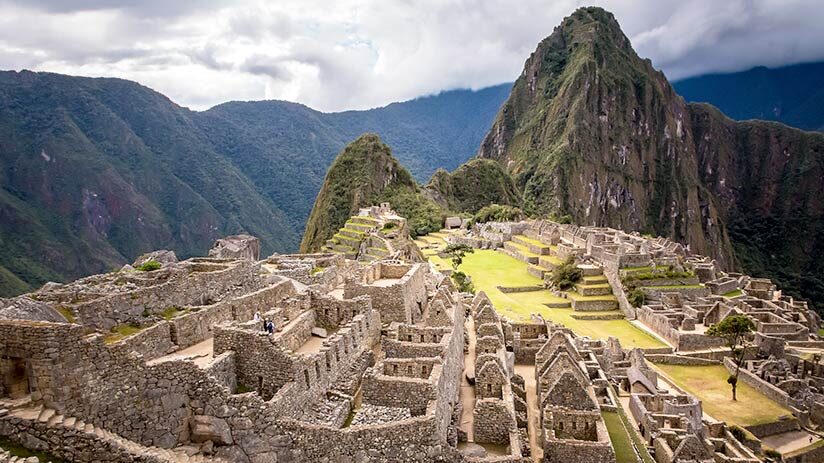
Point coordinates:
pixel 201 353
pixel 789 441
pixel 468 390
pixel 533 413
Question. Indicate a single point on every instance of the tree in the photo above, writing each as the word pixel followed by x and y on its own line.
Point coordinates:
pixel 566 275
pixel 456 252
pixel 734 330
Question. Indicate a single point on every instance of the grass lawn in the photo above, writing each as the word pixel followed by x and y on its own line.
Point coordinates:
pixel 735 293
pixel 490 269
pixel 624 453
pixel 821 332
pixel 709 384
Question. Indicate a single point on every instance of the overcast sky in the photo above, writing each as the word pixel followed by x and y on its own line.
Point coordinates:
pixel 354 54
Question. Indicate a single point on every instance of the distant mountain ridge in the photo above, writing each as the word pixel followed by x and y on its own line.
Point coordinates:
pixel 792 95
pixel 94 172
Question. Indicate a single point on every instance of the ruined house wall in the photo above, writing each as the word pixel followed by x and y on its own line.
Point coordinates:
pixel 152 342
pixel 493 420
pixel 186 288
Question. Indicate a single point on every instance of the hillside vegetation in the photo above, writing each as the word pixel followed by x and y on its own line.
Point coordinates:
pixel 94 172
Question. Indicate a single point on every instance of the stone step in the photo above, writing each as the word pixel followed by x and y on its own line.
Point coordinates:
pixel 559 305
pixel 351 233
pixel 533 246
pixel 347 240
pixel 46 415
pixel 70 422
pixel 593 290
pixel 56 420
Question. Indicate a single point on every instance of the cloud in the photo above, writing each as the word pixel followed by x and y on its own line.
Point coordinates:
pixel 354 54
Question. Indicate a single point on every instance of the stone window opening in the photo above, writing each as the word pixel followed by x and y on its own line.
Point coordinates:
pixel 425 371
pixel 395 369
pixel 409 370
pixel 317 369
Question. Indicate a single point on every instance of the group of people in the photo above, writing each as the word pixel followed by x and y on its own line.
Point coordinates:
pixel 268 325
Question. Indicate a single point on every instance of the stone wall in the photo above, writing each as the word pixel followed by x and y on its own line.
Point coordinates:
pixel 401 301
pixel 152 342
pixel 197 282
pixel 493 420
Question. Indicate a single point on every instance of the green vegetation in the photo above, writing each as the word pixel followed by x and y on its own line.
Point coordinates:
pixel 389 226
pixel 735 293
pixel 621 442
pixel 463 282
pixel 173 312
pixel 773 454
pixel 121 331
pixel 149 266
pixel 637 297
pixel 498 213
pixel 456 253
pixel 709 384
pixel 634 278
pixel 67 314
pixel 566 275
pixel 733 330
pixel 473 186
pixel 316 270
pixel 363 174
pixel 490 269
pixel 20 451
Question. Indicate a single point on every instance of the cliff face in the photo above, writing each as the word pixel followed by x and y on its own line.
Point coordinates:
pixel 770 180
pixel 593 131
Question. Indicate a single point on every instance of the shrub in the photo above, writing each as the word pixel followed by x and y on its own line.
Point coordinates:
pixel 566 275
pixel 389 226
pixel 149 266
pixel 773 454
pixel 637 297
pixel 498 213
pixel 463 282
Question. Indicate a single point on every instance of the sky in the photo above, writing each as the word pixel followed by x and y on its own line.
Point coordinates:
pixel 355 54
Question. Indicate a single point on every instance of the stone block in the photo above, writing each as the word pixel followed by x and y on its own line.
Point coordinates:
pixel 209 428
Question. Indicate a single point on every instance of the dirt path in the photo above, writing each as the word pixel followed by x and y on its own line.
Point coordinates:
pixel 533 414
pixel 468 390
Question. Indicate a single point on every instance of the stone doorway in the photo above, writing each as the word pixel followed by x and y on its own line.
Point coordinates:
pixel 14 377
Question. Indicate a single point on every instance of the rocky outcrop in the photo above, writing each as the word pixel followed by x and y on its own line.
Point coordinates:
pixel 236 247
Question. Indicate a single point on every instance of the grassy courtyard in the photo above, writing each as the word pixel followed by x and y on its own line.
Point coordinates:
pixel 624 453
pixel 709 384
pixel 490 269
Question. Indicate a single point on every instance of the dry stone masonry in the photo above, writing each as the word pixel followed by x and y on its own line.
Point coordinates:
pixel 366 353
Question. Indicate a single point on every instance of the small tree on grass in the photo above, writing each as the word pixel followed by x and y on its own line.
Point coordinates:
pixel 566 275
pixel 456 253
pixel 734 330
pixel 463 282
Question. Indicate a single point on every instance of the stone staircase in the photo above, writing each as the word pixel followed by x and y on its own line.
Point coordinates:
pixel 37 417
pixel 348 239
pixel 593 292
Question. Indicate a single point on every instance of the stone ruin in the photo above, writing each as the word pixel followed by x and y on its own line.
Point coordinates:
pixel 379 358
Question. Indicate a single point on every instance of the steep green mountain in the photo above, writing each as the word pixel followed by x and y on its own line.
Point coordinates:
pixel 364 174
pixel 94 172
pixel 593 131
pixel 793 95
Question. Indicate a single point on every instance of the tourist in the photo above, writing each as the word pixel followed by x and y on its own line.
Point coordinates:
pixel 257 316
pixel 265 326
